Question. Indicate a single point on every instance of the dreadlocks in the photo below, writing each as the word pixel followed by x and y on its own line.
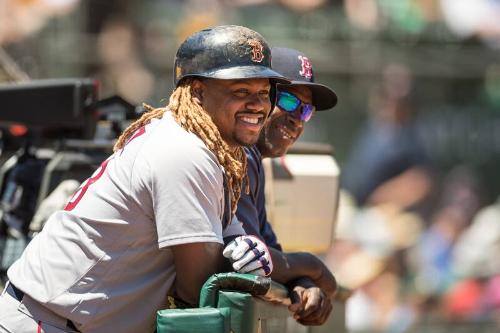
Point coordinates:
pixel 193 118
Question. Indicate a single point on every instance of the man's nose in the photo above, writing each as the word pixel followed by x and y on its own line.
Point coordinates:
pixel 259 103
pixel 294 118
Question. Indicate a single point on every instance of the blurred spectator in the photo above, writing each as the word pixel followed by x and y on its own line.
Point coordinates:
pixel 363 14
pixel 462 190
pixel 479 18
pixel 377 304
pixel 405 15
pixel 433 253
pixel 477 249
pixel 369 257
pixel 122 71
pixel 433 256
pixel 19 19
pixel 388 159
pixel 474 299
pixel 302 5
pixel 382 230
pixel 476 293
pixel 196 21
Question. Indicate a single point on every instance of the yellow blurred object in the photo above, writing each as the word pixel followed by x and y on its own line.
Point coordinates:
pixel 194 23
pixel 302 5
pixel 405 228
pixel 359 269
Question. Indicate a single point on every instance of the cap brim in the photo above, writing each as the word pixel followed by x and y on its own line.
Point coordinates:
pixel 246 72
pixel 324 98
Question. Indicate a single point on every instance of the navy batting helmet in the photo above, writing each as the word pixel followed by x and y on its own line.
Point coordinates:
pixel 225 52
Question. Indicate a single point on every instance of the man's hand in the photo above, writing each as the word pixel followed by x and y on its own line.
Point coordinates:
pixel 310 306
pixel 248 254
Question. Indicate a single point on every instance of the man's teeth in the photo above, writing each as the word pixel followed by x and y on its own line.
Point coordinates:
pixel 285 133
pixel 250 120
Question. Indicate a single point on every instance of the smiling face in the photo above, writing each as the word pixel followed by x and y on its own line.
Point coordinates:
pixel 237 107
pixel 282 129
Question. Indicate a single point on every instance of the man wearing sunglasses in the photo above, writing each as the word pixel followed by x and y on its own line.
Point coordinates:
pixel 312 284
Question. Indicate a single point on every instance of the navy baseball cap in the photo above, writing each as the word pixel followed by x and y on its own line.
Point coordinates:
pixel 297 67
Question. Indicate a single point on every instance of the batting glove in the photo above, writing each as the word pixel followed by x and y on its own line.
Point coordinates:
pixel 249 254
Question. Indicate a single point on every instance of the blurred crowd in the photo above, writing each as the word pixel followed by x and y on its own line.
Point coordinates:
pixel 143 34
pixel 416 246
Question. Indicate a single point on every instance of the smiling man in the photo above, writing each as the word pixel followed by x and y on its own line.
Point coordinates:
pixel 239 107
pixel 148 223
pixel 312 284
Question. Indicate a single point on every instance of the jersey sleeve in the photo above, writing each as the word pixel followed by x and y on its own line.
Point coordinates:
pixel 266 230
pixel 235 228
pixel 251 209
pixel 186 188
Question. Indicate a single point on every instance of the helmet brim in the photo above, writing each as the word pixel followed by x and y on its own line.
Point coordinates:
pixel 323 97
pixel 245 72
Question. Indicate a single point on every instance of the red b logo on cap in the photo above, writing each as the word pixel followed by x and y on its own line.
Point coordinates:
pixel 257 50
pixel 306 70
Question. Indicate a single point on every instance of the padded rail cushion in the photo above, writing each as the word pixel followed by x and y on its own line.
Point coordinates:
pixel 258 286
pixel 201 320
pixel 250 314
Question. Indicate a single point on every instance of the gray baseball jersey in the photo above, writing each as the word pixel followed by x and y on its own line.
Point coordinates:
pixel 104 262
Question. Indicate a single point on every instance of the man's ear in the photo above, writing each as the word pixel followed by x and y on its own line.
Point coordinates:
pixel 197 88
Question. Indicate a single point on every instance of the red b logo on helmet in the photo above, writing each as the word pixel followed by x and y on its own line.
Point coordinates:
pixel 257 50
pixel 306 70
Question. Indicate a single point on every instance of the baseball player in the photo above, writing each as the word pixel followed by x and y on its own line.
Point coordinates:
pixel 147 223
pixel 312 283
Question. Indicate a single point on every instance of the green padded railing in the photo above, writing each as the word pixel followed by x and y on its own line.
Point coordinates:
pixel 258 286
pixel 232 302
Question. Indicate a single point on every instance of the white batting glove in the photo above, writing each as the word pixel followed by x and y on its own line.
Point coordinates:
pixel 249 254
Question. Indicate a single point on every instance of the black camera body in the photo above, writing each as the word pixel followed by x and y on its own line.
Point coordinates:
pixel 51 105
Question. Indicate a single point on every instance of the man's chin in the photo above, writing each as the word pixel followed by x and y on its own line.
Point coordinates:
pixel 281 146
pixel 277 153
pixel 246 141
pixel 272 149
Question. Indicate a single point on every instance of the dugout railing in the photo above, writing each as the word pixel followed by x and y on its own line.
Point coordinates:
pixel 243 303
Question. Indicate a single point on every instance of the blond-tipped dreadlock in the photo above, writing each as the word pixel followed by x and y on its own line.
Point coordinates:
pixel 193 118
